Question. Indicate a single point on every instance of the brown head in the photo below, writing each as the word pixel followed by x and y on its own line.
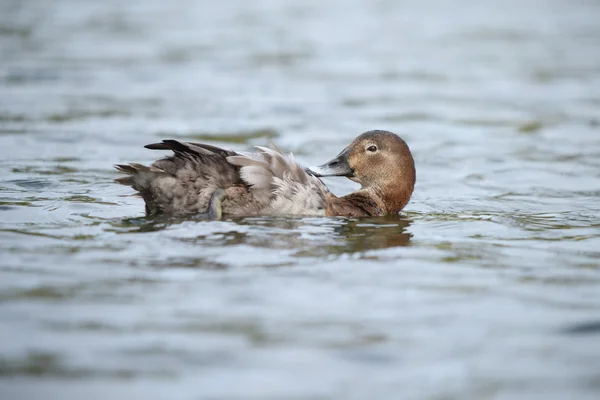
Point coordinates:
pixel 381 162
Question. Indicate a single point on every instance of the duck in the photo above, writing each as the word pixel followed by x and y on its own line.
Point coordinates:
pixel 204 179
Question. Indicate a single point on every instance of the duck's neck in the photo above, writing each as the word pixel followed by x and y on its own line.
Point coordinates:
pixel 393 197
pixel 357 204
pixel 370 201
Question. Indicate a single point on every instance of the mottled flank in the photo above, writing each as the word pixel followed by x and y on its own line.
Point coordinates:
pixel 263 183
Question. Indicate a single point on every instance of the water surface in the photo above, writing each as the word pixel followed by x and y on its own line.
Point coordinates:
pixel 487 286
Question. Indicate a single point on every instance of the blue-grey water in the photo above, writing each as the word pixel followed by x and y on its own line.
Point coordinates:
pixel 487 286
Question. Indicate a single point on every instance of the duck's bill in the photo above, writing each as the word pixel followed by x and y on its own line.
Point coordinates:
pixel 335 167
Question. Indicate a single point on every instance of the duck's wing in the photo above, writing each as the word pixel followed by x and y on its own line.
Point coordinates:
pixel 182 183
pixel 288 187
pixel 190 148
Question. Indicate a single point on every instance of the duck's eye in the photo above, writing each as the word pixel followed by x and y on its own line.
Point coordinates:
pixel 372 149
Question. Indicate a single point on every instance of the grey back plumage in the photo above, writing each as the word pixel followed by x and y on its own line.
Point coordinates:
pixel 263 183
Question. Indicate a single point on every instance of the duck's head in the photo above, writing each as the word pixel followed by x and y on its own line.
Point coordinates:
pixel 380 161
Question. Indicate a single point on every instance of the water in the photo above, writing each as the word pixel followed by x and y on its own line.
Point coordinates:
pixel 486 287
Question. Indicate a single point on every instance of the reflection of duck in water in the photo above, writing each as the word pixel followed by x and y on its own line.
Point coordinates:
pixel 335 236
pixel 371 234
pixel 202 178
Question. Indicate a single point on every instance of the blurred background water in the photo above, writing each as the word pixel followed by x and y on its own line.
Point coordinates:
pixel 486 287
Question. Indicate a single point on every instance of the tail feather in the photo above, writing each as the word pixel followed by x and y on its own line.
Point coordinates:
pixel 126 168
pixel 125 180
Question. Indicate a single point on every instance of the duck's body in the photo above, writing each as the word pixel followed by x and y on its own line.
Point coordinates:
pixel 201 178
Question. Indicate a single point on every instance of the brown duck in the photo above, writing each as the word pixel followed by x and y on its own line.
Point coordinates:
pixel 201 178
